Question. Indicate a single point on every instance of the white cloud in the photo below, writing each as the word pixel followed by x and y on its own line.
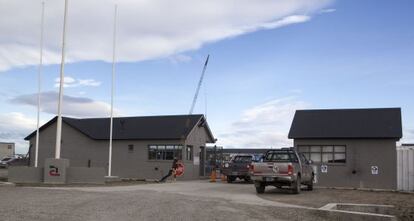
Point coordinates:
pixel 408 136
pixel 286 21
pixel 72 106
pixel 180 58
pixel 263 126
pixel 327 10
pixel 71 82
pixel 14 127
pixel 147 29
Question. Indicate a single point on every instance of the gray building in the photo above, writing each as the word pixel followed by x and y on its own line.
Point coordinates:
pixel 6 150
pixel 350 147
pixel 143 147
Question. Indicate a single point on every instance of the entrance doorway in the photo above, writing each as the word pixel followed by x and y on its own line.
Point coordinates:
pixel 202 160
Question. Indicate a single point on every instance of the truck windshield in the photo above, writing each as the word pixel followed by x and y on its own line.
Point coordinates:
pixel 242 159
pixel 281 156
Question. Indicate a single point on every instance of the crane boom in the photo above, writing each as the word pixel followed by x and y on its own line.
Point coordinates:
pixel 199 86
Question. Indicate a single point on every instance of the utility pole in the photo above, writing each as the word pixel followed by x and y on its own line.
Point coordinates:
pixel 112 94
pixel 39 81
pixel 62 76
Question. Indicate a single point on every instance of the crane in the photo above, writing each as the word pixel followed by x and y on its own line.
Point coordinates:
pixel 199 86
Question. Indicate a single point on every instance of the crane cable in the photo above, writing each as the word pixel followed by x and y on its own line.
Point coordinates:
pixel 198 86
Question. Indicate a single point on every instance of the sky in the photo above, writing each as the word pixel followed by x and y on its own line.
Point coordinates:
pixel 267 59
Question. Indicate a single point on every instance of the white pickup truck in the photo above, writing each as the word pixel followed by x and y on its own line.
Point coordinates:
pixel 282 167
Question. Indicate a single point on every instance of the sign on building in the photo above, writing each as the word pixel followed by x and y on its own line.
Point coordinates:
pixel 374 170
pixel 324 168
pixel 196 160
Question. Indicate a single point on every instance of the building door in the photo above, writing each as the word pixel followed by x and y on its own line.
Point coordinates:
pixel 202 160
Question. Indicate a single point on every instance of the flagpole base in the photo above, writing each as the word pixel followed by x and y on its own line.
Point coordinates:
pixel 109 179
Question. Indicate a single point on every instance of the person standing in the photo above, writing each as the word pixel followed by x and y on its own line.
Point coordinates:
pixel 174 166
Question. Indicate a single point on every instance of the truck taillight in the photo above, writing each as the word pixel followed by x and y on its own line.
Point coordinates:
pixel 290 169
pixel 251 167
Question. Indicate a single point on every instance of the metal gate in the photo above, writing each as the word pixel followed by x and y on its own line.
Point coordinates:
pixel 405 168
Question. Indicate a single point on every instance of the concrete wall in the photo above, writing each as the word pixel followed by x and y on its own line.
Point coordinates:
pixel 21 174
pixel 5 150
pixel 361 154
pixel 94 175
pixel 198 138
pixel 80 149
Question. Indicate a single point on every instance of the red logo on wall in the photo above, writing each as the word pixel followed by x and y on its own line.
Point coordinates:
pixel 54 171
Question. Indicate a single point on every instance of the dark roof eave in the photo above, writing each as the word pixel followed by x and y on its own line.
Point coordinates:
pixel 336 138
pixel 70 123
pixel 51 121
pixel 367 123
pixel 179 139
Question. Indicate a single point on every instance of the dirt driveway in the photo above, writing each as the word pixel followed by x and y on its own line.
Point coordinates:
pixel 404 202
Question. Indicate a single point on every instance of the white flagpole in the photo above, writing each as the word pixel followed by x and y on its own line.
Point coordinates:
pixel 39 81
pixel 112 94
pixel 62 68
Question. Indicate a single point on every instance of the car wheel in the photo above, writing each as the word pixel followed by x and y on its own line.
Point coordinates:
pixel 260 187
pixel 310 185
pixel 247 179
pixel 296 185
pixel 230 179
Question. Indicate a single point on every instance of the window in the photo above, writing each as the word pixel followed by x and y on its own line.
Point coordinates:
pixel 164 152
pixel 281 156
pixel 189 152
pixel 242 159
pixel 324 154
pixel 130 148
pixel 9 147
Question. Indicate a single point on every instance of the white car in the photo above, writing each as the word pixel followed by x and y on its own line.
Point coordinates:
pixel 4 163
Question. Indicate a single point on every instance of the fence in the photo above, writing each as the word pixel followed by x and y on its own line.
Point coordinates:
pixel 405 168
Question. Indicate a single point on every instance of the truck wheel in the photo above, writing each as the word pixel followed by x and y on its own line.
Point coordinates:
pixel 230 179
pixel 310 185
pixel 247 179
pixel 296 185
pixel 260 187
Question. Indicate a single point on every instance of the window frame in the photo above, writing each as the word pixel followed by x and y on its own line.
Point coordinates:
pixel 189 154
pixel 177 152
pixel 321 152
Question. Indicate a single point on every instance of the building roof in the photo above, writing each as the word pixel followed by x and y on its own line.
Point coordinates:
pixel 407 145
pixel 136 128
pixel 347 123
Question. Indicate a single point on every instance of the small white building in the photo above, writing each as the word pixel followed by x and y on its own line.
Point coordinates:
pixel 6 150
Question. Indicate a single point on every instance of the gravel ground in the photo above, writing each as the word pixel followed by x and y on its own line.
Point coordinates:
pixel 404 202
pixel 191 200
pixel 171 201
pixel 3 174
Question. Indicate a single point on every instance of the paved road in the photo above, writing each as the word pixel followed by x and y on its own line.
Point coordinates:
pixel 3 172
pixel 195 200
